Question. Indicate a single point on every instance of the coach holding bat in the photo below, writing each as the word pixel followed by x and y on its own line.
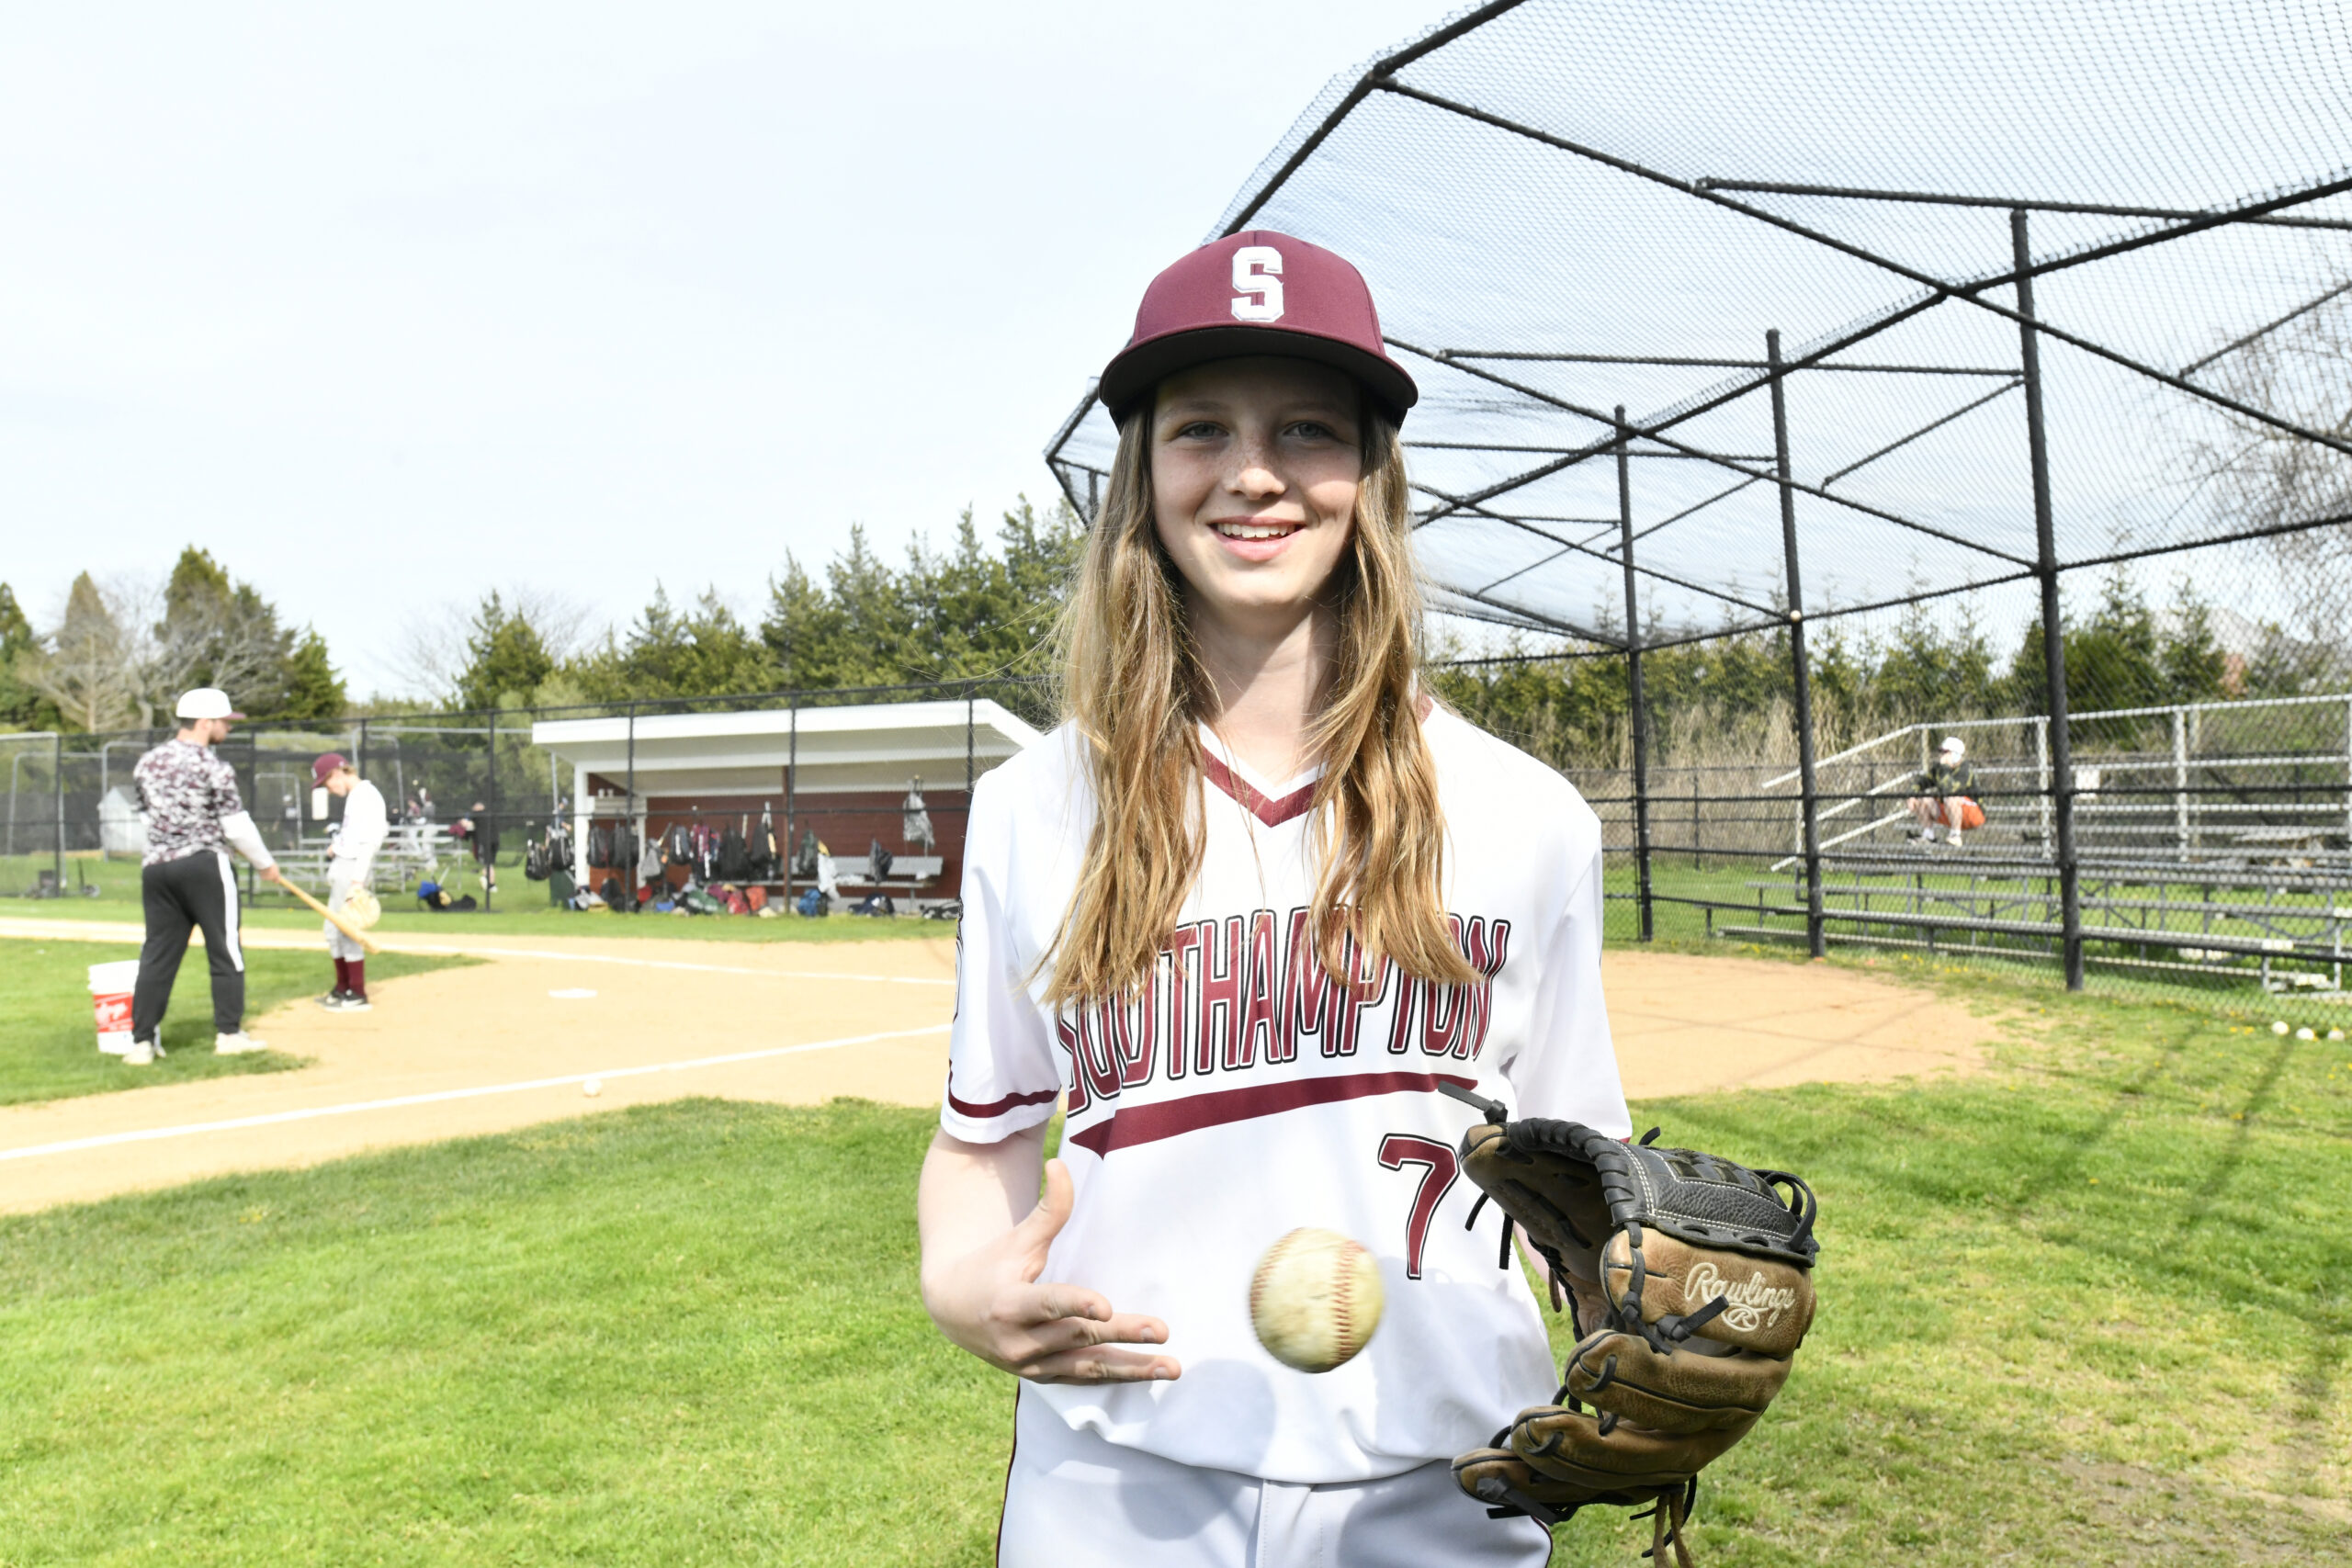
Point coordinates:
pixel 193 819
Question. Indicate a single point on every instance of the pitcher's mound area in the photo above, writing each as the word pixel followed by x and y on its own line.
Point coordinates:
pixel 511 1041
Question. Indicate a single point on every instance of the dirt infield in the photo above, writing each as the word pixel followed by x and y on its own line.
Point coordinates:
pixel 508 1043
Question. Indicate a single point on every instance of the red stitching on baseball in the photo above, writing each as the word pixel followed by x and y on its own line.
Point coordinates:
pixel 1347 1300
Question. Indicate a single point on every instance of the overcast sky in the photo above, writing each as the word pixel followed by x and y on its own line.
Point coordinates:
pixel 387 307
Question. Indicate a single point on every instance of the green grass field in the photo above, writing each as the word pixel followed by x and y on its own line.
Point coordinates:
pixel 546 922
pixel 2091 1306
pixel 522 911
pixel 49 1041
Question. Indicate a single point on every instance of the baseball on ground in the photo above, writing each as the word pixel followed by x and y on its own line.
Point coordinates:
pixel 593 1088
pixel 1315 1300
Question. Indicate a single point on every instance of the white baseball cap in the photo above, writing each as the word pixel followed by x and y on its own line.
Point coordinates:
pixel 206 701
pixel 1953 745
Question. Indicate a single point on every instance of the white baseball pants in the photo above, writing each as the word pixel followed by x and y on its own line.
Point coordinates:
pixel 342 875
pixel 1074 1501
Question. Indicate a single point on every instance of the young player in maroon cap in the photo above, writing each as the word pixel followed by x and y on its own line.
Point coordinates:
pixel 1243 913
pixel 361 834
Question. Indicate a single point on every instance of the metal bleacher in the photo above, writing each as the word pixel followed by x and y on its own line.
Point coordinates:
pixel 2183 864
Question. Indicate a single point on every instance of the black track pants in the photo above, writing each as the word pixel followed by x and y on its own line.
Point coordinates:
pixel 197 891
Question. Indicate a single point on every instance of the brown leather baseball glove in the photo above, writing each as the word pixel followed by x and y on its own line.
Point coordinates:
pixel 1691 1282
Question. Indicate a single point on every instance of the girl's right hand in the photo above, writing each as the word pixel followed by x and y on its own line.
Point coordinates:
pixel 990 1302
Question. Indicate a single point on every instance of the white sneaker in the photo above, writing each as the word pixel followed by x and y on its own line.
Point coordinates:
pixel 1952 837
pixel 138 1054
pixel 238 1044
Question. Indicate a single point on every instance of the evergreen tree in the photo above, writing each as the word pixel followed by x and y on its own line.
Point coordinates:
pixel 2113 663
pixel 1841 674
pixel 505 657
pixel 980 614
pixel 704 652
pixel 2195 668
pixel 314 689
pixel 959 606
pixel 21 707
pixel 968 613
pixel 198 582
pixel 802 629
pixel 878 637
pixel 2119 659
pixel 217 631
pixel 1927 673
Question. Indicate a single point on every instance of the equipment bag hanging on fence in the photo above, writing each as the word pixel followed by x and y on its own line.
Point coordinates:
pixel 733 860
pixel 764 857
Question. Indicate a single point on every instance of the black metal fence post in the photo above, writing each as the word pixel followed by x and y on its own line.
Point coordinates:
pixel 395 809
pixel 57 785
pixel 490 861
pixel 1799 666
pixel 1636 712
pixel 628 808
pixel 791 797
pixel 2053 634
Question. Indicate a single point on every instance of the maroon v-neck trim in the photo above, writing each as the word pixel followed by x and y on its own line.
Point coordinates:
pixel 1265 808
pixel 1273 813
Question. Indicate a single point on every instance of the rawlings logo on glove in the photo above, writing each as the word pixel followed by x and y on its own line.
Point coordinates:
pixel 1747 1305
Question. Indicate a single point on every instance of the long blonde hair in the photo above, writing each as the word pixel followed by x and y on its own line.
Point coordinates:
pixel 1134 686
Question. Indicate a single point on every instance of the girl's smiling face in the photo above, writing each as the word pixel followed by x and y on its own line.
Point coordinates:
pixel 1255 468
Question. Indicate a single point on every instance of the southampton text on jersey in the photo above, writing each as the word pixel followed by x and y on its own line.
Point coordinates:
pixel 1239 994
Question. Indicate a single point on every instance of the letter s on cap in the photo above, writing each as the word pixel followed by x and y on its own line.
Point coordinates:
pixel 1256 284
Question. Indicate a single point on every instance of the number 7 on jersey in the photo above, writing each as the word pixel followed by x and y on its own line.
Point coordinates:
pixel 1439 1167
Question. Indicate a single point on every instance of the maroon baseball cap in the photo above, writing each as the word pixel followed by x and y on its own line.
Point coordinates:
pixel 325 763
pixel 1256 292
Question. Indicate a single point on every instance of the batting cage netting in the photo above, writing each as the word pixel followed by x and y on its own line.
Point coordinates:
pixel 1804 388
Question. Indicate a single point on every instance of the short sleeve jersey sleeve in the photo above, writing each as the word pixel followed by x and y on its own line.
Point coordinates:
pixel 1003 1070
pixel 1566 1064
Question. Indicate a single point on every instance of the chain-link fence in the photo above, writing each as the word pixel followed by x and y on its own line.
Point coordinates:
pixel 1801 387
pixel 638 803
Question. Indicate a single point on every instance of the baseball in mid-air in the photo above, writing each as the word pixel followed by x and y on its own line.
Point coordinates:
pixel 593 1088
pixel 1315 1300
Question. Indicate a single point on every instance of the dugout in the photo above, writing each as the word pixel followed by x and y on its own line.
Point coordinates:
pixel 844 773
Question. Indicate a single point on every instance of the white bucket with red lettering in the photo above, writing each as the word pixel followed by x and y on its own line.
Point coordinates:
pixel 111 987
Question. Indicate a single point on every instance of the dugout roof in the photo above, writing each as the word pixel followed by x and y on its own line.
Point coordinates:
pixel 875 746
pixel 1567 205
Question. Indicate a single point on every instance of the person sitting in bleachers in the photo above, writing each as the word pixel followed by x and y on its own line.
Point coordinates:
pixel 1947 795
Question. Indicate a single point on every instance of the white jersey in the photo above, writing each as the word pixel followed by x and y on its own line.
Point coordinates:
pixel 364 823
pixel 1246 1095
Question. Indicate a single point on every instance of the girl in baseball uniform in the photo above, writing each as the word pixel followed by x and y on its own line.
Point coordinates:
pixel 1243 914
pixel 365 822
